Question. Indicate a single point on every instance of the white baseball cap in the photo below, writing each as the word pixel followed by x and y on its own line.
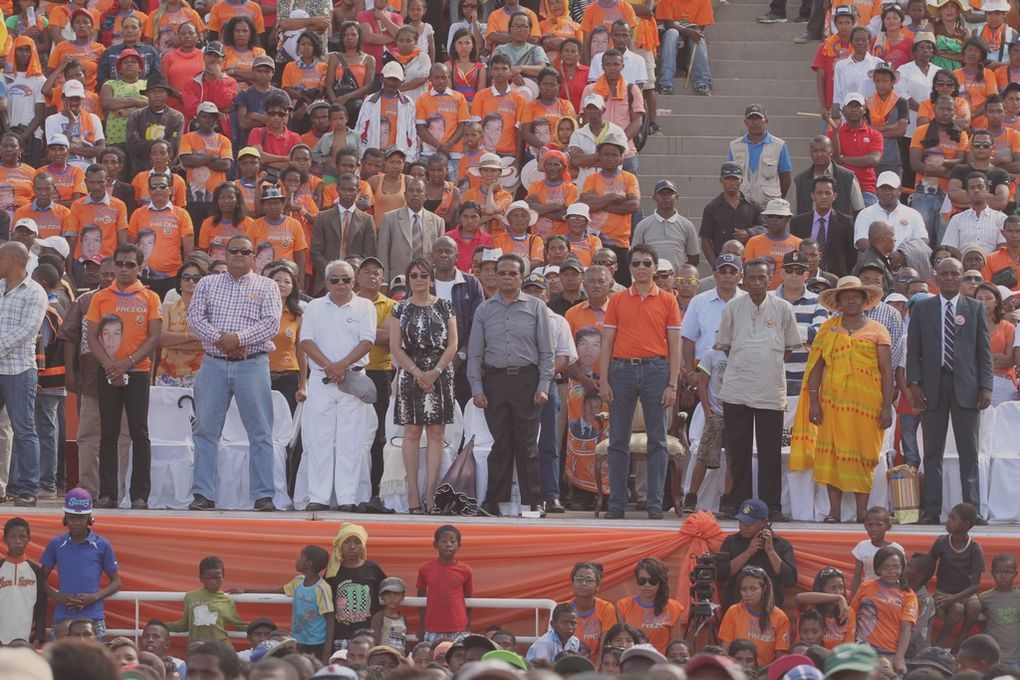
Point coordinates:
pixel 73 88
pixel 28 223
pixel 855 97
pixel 889 179
pixel 57 243
pixel 580 210
pixel 58 139
pixel 393 69
pixel 593 100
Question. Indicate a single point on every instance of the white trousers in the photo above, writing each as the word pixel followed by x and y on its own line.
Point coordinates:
pixel 337 430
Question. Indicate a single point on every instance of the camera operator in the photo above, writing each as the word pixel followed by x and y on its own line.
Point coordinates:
pixel 756 544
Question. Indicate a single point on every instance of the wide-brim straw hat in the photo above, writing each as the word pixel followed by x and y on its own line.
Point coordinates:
pixel 827 298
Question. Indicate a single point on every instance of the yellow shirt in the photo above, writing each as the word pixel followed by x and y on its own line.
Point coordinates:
pixel 379 357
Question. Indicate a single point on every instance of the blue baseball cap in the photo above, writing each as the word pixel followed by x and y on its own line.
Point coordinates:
pixel 78 501
pixel 730 260
pixel 753 510
pixel 803 672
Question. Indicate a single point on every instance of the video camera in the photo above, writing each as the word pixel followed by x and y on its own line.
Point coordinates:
pixel 703 578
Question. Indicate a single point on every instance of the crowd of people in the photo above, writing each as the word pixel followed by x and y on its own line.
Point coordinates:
pixel 349 619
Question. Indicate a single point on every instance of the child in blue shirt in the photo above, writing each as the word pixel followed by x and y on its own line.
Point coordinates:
pixel 560 636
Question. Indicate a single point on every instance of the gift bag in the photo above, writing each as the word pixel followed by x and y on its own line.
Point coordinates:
pixel 905 491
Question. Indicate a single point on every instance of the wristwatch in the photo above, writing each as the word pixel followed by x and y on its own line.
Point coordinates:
pixel 462 355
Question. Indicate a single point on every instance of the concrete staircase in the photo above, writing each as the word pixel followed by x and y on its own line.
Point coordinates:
pixel 751 63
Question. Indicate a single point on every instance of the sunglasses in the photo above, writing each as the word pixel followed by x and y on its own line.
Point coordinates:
pixel 754 571
pixel 334 280
pixel 193 278
pixel 642 263
pixel 605 263
pixel 973 279
pixel 124 264
pixel 276 114
pixel 795 270
pixel 153 187
pixel 584 579
pixel 647 581
pixel 240 251
pixel 418 275
pixel 663 275
pixel 981 145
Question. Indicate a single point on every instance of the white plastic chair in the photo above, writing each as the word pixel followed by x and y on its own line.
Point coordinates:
pixel 233 488
pixel 173 452
pixel 475 426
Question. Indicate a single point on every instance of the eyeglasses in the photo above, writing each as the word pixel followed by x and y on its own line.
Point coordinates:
pixel 585 579
pixel 153 187
pixel 334 280
pixel 649 581
pixel 642 263
pixel 605 263
pixel 662 275
pixel 905 279
pixel 981 145
pixel 690 280
pixel 193 278
pixel 800 271
pixel 240 251
pixel 276 114
pixel 973 279
pixel 124 264
pixel 418 275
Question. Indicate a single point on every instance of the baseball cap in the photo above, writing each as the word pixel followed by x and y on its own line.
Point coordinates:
pixel 795 257
pixel 249 151
pixel 335 671
pixel 393 69
pixel 491 254
pixel 394 150
pixel 571 263
pixel 208 107
pixel 506 656
pixel 548 270
pixel 271 193
pixel 259 623
pixel 318 104
pixel 595 100
pixel 398 281
pixel 755 110
pixel 729 260
pixel 58 140
pixel 643 652
pixel 73 88
pixel 81 12
pixel 475 641
pixel 870 265
pixel 391 584
pixel 57 243
pixel 491 670
pixel 778 206
pixel 852 657
pixel 264 61
pixel 843 11
pixel 1003 292
pixel 723 663
pixel 752 510
pixel 854 97
pixel 883 67
pixel 665 266
pixel 665 184
pixel 28 223
pixel 128 54
pixel 214 47
pixel 579 209
pixel 895 297
pixel 803 672
pixel 388 651
pixel 376 261
pixel 785 664
pixel 731 169
pixel 575 663
pixel 534 279
pixel 936 658
pixel 96 259
pixel 889 179
pixel 615 138
pixel 78 501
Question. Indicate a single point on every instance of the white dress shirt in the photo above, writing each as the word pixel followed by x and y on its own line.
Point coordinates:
pixel 701 320
pixel 942 321
pixel 906 222
pixel 337 329
pixel 970 228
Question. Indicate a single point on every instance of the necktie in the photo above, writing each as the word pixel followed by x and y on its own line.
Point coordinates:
pixel 823 236
pixel 949 338
pixel 345 233
pixel 416 236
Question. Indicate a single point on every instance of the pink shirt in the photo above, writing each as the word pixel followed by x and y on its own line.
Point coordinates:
pixel 368 18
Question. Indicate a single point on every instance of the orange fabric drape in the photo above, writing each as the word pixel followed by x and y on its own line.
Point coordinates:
pixel 509 559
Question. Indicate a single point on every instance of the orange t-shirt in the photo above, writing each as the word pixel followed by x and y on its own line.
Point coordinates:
pixel 880 610
pixel 287 237
pixel 593 625
pixel 159 35
pixel 117 33
pixel 599 14
pixel 389 109
pixel 1002 337
pixel 203 179
pixel 584 250
pixel 503 199
pixel 1000 259
pixel 499 21
pixel 284 356
pixel 510 107
pixel 697 12
pixel 927 110
pixel 835 634
pixel 330 194
pixel 223 11
pixel 977 92
pixel 178 190
pixel 311 77
pixel 451 106
pixel 20 179
pixel 530 247
pixel 639 323
pixel 764 246
pixel 247 195
pixel 54 221
pixel 213 238
pixel 610 227
pixel 241 60
pixel 739 623
pixel 136 307
pixel 565 192
pixel 561 108
pixel 87 53
pixel 111 218
pixel 67 182
pixel 657 627
pixel 950 148
pixel 169 226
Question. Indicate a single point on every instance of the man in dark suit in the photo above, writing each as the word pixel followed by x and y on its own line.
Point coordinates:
pixel 341 230
pixel 881 241
pixel 407 233
pixel 949 373
pixel 833 231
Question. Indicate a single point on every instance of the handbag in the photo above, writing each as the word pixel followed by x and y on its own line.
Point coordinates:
pixel 1005 277
pixel 346 83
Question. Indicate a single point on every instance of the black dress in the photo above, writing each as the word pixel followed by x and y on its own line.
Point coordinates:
pixel 424 333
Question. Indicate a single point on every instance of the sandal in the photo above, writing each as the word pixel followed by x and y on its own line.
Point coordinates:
pixel 416 510
pixel 829 519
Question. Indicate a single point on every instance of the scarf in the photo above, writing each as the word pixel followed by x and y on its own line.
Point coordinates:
pixel 834 48
pixel 993 40
pixel 347 530
pixel 34 66
pixel 602 88
pixel 86 125
pixel 878 110
pixel 406 59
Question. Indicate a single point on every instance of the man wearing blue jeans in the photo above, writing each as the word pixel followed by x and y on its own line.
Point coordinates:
pixel 640 360
pixel 236 315
pixel 22 308
pixel 701 75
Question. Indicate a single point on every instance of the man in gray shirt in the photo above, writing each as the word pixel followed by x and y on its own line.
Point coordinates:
pixel 510 364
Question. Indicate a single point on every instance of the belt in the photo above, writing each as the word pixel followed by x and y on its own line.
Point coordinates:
pixel 507 370
pixel 244 358
pixel 637 362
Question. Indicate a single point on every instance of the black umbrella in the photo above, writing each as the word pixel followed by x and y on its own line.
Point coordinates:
pixel 456 493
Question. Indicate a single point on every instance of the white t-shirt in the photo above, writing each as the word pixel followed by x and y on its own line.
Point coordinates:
pixel 915 85
pixel 865 552
pixel 23 93
pixel 906 222
pixel 59 124
pixel 713 362
pixel 634 71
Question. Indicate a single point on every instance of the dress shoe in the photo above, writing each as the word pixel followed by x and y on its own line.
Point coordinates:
pixel 614 514
pixel 25 502
pixel 539 508
pixel 928 518
pixel 554 506
pixel 202 503
pixel 777 516
pixel 139 504
pixel 348 507
pixel 45 495
pixel 377 507
pixel 641 506
pixel 316 507
pixel 981 521
pixel 690 504
pixel 105 503
pixel 264 505
pixel 654 513
pixel 489 510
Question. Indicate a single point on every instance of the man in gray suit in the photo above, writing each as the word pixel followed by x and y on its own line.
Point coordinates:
pixel 949 373
pixel 407 233
pixel 341 230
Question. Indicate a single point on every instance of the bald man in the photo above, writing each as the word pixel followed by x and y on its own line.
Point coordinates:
pixel 881 241
pixel 22 308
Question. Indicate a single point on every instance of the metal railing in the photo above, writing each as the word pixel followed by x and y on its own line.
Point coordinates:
pixel 140 596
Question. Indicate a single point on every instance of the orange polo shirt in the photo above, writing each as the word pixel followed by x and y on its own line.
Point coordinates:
pixel 510 107
pixel 763 245
pixel 20 179
pixel 178 189
pixel 584 250
pixel 950 148
pixel 565 192
pixel 309 78
pixel 55 220
pixel 450 105
pixel 503 200
pixel 740 624
pixel 202 178
pixel 655 626
pixel 136 307
pixel 286 236
pixel 67 182
pixel 561 108
pixel 530 247
pixel 214 237
pixel 584 315
pixel 994 262
pixel 86 53
pixel 110 215
pixel 641 324
pixel 499 21
pixel 697 12
pixel 610 226
pixel 170 224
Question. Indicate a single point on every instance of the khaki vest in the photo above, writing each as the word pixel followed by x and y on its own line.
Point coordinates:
pixel 762 185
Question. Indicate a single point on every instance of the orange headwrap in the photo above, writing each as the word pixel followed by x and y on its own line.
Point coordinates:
pixel 34 67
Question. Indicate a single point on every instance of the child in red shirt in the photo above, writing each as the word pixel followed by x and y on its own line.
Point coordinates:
pixel 446 583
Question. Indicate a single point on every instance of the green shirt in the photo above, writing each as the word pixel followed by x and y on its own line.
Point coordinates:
pixel 206 615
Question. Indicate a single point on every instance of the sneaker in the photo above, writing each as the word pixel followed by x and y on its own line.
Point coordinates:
pixel 264 505
pixel 202 503
pixel 690 504
pixel 666 90
pixel 703 90
pixel 139 504
pixel 24 502
pixel 654 513
pixel 805 38
pixel 614 514
pixel 801 20
pixel 771 18
pixel 45 495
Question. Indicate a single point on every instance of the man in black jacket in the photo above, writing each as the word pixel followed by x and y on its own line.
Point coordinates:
pixel 465 293
pixel 755 544
pixel 833 231
pixel 849 200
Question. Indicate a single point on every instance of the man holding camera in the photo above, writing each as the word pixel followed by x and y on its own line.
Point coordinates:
pixel 755 544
